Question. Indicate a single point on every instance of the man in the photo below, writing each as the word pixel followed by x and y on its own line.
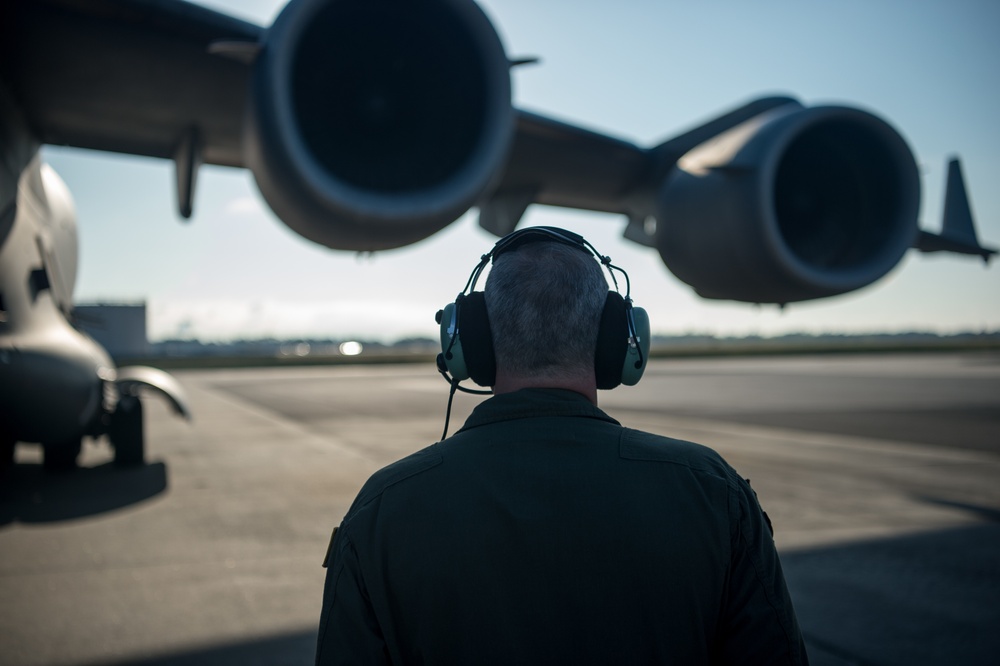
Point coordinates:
pixel 544 532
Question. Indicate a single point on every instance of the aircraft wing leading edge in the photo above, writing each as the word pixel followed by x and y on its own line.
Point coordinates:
pixel 558 164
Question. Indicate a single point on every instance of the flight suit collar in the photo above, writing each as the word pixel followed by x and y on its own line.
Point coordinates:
pixel 532 403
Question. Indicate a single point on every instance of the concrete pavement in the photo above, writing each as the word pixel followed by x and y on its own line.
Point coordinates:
pixel 881 474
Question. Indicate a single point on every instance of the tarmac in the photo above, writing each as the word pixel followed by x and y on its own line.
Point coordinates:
pixel 881 474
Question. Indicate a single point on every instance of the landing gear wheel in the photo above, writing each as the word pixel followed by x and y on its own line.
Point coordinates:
pixel 125 432
pixel 7 444
pixel 61 456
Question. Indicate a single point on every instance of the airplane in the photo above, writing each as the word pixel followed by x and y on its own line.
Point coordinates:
pixel 373 125
pixel 58 385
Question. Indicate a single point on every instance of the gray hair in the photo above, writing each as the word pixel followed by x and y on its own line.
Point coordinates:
pixel 544 301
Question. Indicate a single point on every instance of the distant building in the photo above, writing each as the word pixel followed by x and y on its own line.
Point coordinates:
pixel 120 327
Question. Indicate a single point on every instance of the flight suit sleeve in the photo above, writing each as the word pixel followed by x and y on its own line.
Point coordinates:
pixel 759 624
pixel 348 629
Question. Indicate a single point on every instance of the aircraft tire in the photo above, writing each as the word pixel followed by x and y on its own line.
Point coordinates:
pixel 126 432
pixel 61 456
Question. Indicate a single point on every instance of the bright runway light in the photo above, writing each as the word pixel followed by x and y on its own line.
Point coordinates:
pixel 351 348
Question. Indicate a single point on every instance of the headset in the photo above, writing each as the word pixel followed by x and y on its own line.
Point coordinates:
pixel 467 342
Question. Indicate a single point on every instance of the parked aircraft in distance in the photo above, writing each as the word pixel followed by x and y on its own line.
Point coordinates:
pixel 372 125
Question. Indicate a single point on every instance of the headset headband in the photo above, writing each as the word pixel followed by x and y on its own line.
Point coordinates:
pixel 516 239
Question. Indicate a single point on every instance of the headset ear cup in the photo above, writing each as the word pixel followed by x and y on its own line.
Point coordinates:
pixel 637 358
pixel 451 350
pixel 615 361
pixel 477 339
pixel 612 342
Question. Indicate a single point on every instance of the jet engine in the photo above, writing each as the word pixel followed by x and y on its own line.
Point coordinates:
pixel 794 204
pixel 372 124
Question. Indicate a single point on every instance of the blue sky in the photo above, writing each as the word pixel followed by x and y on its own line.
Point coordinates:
pixel 642 71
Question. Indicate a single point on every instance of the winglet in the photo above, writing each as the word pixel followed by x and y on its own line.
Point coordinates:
pixel 958 230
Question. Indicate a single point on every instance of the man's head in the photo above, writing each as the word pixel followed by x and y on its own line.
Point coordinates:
pixel 546 319
pixel 544 301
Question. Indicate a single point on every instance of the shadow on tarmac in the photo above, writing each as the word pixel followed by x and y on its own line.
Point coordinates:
pixel 919 600
pixel 292 648
pixel 924 599
pixel 32 495
pixel 929 598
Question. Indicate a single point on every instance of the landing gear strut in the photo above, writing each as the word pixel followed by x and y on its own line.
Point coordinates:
pixel 126 433
pixel 61 456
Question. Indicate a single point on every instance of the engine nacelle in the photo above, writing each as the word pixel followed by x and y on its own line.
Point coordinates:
pixel 794 204
pixel 373 124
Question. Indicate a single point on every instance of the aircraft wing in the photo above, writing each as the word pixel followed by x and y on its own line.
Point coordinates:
pixel 558 164
pixel 128 76
pixel 372 125
pixel 562 165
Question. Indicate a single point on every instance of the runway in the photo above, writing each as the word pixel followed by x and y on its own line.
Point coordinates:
pixel 881 475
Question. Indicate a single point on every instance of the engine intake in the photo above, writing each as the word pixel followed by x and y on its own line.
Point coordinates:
pixel 373 124
pixel 795 204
